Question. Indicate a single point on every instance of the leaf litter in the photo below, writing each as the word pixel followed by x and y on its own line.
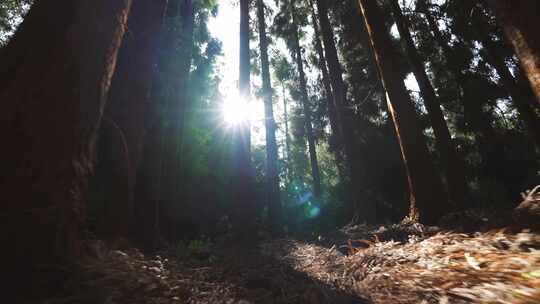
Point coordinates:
pixel 402 263
pixel 430 266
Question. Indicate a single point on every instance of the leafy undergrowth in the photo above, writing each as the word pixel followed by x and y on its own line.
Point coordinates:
pixel 405 263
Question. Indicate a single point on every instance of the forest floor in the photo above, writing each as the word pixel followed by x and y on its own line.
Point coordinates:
pixel 402 263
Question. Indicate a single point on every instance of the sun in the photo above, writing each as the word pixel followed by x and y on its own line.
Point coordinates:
pixel 236 110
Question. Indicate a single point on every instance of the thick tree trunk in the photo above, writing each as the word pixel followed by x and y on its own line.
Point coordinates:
pixel 127 106
pixel 174 67
pixel 427 199
pixel 243 186
pixel 519 19
pixel 365 210
pixel 148 182
pixel 55 80
pixel 315 172
pixel 108 188
pixel 453 166
pixel 272 174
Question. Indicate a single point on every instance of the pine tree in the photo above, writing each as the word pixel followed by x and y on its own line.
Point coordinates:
pixel 272 174
pixel 453 166
pixel 519 20
pixel 427 201
pixel 297 50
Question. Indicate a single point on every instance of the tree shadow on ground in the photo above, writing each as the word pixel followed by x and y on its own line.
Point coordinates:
pixel 228 274
pixel 266 279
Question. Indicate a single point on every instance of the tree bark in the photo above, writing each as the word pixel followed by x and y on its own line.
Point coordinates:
pixel 108 187
pixel 518 87
pixel 452 164
pixel 519 19
pixel 321 61
pixel 474 116
pixel 315 172
pixel 272 174
pixel 175 64
pixel 127 108
pixel 287 136
pixel 427 199
pixel 356 208
pixel 56 77
pixel 244 212
pixel 518 95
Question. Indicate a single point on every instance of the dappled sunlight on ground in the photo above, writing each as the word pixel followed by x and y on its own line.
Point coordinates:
pixel 402 263
pixel 445 267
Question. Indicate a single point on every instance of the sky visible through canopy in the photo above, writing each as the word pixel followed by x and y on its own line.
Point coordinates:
pixel 226 27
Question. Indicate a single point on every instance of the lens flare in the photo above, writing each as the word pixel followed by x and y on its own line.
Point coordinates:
pixel 314 212
pixel 236 110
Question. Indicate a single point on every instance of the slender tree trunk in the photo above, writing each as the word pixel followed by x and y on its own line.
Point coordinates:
pixel 518 95
pixel 317 190
pixel 519 19
pixel 55 79
pixel 475 118
pixel 287 137
pixel 127 106
pixel 272 174
pixel 356 209
pixel 453 166
pixel 427 199
pixel 321 61
pixel 245 197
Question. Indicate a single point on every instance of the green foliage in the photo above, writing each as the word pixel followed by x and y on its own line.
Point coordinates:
pixel 199 245
pixel 482 119
pixel 11 14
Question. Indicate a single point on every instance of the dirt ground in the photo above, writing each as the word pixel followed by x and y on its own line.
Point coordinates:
pixel 406 263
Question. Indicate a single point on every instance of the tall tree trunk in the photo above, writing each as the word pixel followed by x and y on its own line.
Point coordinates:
pixel 427 199
pixel 272 174
pixel 126 108
pixel 474 117
pixel 175 68
pixel 245 197
pixel 55 80
pixel 453 166
pixel 518 95
pixel 356 209
pixel 147 184
pixel 108 188
pixel 287 136
pixel 321 62
pixel 519 19
pixel 315 173
pixel 523 84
